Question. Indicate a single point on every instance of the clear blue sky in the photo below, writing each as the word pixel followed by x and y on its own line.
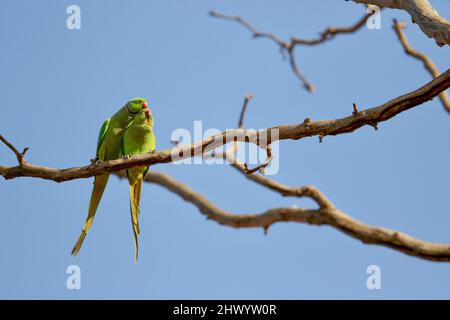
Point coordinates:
pixel 59 85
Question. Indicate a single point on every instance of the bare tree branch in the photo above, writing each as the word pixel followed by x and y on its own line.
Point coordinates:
pixel 428 64
pixel 247 99
pixel 310 128
pixel 422 13
pixel 326 215
pixel 289 46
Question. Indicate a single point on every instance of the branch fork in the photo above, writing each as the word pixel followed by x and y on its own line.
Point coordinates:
pixel 19 155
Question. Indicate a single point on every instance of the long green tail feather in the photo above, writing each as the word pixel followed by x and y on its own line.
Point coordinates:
pixel 97 192
pixel 135 198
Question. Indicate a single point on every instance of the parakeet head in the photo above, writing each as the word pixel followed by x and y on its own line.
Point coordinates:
pixel 135 105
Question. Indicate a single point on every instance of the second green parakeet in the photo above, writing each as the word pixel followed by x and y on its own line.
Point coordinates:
pixel 138 139
pixel 109 147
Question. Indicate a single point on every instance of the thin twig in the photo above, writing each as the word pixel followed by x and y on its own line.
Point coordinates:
pixel 247 99
pixel 355 109
pixel 330 32
pixel 251 28
pixel 263 165
pixel 295 69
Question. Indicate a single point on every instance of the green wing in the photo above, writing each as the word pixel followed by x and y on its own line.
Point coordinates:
pixel 102 134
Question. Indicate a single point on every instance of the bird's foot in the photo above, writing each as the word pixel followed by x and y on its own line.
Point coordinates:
pixel 95 161
pixel 126 156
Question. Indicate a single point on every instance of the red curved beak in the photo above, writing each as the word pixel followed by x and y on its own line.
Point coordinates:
pixel 144 105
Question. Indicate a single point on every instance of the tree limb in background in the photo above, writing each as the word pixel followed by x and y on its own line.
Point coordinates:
pixel 422 13
pixel 289 46
pixel 308 128
pixel 428 64
pixel 324 215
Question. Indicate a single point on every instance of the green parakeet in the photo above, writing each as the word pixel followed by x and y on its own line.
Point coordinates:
pixel 138 139
pixel 109 147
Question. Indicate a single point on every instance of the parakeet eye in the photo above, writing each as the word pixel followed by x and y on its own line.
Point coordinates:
pixel 132 107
